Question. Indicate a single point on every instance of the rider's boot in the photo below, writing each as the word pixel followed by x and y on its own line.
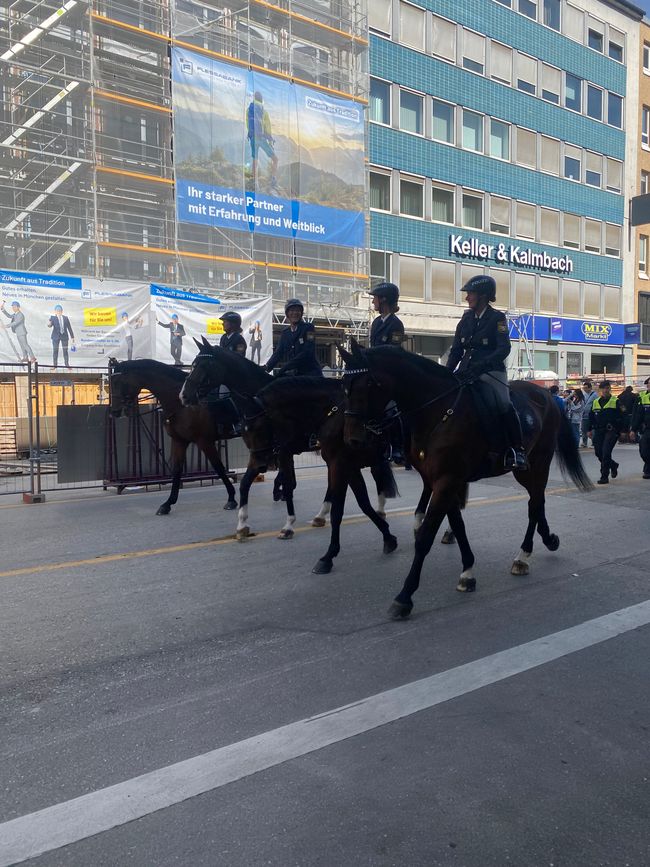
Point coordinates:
pixel 515 458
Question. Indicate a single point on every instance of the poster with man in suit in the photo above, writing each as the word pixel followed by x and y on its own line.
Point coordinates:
pixel 62 333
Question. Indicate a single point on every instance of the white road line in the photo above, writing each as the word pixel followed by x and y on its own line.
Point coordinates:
pixel 71 821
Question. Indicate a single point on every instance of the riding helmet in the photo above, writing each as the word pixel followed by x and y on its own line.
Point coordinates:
pixel 388 291
pixel 293 302
pixel 483 284
pixel 233 317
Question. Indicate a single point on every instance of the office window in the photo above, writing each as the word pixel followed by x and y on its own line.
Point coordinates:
pixel 645 126
pixel 444 38
pixel 499 139
pixel 549 294
pixel 410 112
pixel 379 108
pixel 507 3
pixel 571 235
pixel 573 22
pixel 379 266
pixel 616 43
pixel 472 216
pixel 499 215
pixel 646 57
pixel 473 52
pixel 379 191
pixel 411 26
pixel 443 121
pixel 613 236
pixel 643 255
pixel 528 8
pixel 644 317
pixel 571 298
pixel 411 276
pixel 411 196
pixel 594 102
pixel 380 16
pixel 443 282
pixel 614 175
pixel 524 291
pixel 550 227
pixel 572 162
pixel 525 221
pixel 502 279
pixel 550 160
pixel 611 302
pixel 472 131
pixel 552 14
pixel 572 92
pixel 526 148
pixel 595 40
pixel 551 83
pixel 644 188
pixel 526 73
pixel 591 300
pixel 501 62
pixel 594 170
pixel 442 204
pixel 593 236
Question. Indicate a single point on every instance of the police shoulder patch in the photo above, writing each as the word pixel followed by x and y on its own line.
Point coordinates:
pixel 396 337
pixel 310 336
pixel 502 326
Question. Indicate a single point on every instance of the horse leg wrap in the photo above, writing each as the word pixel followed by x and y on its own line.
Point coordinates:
pixel 320 519
pixel 287 532
pixel 521 565
pixel 467 583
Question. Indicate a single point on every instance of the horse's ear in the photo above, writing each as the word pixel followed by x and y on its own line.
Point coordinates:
pixel 356 350
pixel 206 342
pixel 345 355
pixel 199 345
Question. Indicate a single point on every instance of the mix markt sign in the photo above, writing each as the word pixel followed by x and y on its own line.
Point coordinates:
pixel 580 331
pixel 508 254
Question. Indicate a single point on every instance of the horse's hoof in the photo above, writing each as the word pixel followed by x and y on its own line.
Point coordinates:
pixel 448 538
pixel 230 505
pixel 318 522
pixel 242 534
pixel 390 543
pixel 466 585
pixel 553 542
pixel 286 534
pixel 400 610
pixel 519 567
pixel 164 510
pixel 323 567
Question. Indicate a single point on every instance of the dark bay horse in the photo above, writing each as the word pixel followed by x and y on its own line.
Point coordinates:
pixel 449 449
pixel 185 425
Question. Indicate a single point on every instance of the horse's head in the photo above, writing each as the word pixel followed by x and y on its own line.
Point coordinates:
pixel 124 389
pixel 204 376
pixel 365 398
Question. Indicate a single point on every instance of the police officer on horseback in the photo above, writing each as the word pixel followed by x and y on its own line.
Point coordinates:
pixel 232 338
pixel 387 329
pixel 480 348
pixel 296 349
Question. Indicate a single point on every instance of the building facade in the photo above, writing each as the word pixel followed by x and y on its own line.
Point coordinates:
pixel 503 139
pixel 642 233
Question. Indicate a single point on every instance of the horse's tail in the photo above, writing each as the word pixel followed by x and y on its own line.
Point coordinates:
pixel 385 480
pixel 569 457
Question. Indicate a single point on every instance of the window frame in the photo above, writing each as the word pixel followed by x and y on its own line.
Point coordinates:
pixel 435 101
pixel 384 174
pixel 389 85
pixel 421 97
pixel 414 181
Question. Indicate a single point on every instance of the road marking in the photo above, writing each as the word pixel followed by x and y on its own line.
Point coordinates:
pixel 71 821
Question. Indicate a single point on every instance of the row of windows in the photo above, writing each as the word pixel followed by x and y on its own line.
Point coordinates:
pixel 470 130
pixel 575 23
pixel 476 53
pixel 411 196
pixel 441 281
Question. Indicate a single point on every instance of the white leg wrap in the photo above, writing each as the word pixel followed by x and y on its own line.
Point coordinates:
pixel 242 517
pixel 324 510
pixel 467 573
pixel 523 557
pixel 291 520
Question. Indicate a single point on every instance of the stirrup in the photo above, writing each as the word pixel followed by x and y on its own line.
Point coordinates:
pixel 515 459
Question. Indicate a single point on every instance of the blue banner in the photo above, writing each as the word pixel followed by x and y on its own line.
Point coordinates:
pixel 42 281
pixel 582 331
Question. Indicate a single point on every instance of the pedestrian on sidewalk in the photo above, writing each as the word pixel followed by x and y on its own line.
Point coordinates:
pixel 641 426
pixel 590 396
pixel 575 405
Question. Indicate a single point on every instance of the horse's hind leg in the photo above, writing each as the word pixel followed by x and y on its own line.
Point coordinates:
pixel 337 490
pixel 178 457
pixel 534 480
pixel 278 490
pixel 466 582
pixel 320 519
pixel 421 508
pixel 288 487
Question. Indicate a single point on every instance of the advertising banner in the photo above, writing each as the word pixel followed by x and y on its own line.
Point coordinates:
pixel 582 331
pixel 261 154
pixel 67 321
pixel 179 316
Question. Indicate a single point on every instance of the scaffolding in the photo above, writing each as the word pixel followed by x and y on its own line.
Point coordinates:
pixel 86 140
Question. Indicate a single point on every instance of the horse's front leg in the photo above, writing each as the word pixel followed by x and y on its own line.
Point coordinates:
pixel 177 459
pixel 442 501
pixel 360 491
pixel 211 452
pixel 285 462
pixel 252 471
pixel 467 582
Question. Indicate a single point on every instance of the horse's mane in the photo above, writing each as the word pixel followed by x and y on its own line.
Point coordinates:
pixel 299 386
pixel 148 365
pixel 424 365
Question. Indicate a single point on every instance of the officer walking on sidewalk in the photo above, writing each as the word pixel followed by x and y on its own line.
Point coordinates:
pixel 641 425
pixel 605 423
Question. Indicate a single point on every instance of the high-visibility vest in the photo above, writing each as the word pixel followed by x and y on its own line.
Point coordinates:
pixel 611 404
pixel 644 398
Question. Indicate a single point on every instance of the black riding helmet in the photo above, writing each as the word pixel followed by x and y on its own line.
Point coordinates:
pixel 233 317
pixel 293 302
pixel 483 285
pixel 388 291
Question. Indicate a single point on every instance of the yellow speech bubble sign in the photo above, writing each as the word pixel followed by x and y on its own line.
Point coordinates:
pixel 94 316
pixel 214 326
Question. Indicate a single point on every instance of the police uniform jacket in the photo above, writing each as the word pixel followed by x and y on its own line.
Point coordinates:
pixel 641 412
pixel 296 351
pixel 480 345
pixel 606 415
pixel 234 342
pixel 387 332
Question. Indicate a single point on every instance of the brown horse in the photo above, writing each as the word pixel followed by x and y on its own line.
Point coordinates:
pixel 201 424
pixel 448 448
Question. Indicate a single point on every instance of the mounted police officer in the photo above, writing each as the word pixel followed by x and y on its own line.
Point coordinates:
pixel 387 329
pixel 641 426
pixel 606 421
pixel 232 337
pixel 296 349
pixel 480 348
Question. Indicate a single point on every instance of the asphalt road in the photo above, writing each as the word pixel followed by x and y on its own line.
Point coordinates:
pixel 169 696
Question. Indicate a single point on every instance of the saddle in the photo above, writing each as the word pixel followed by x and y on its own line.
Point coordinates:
pixel 224 415
pixel 490 423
